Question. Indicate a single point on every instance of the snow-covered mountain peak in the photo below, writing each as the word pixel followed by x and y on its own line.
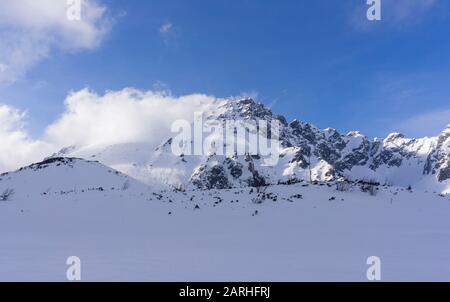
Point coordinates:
pixel 245 108
pixel 308 153
pixel 447 130
pixel 393 137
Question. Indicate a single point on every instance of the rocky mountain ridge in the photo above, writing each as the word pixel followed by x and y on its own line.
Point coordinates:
pixel 306 153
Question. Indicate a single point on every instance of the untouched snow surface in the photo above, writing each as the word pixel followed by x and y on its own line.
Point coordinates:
pixel 129 235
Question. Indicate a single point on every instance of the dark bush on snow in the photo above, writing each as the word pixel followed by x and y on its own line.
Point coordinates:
pixel 342 186
pixel 6 195
pixel 369 186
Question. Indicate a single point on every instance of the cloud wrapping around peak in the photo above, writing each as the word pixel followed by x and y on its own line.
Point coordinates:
pixel 116 117
pixel 125 116
pixel 30 30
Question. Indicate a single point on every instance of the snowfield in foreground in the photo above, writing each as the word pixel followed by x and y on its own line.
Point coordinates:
pixel 140 214
pixel 299 232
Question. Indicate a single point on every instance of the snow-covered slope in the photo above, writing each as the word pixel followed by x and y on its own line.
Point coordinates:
pixel 297 232
pixel 315 216
pixel 307 152
pixel 62 176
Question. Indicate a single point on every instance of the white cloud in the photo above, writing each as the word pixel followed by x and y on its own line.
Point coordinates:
pixel 89 119
pixel 167 33
pixel 129 115
pixel 30 30
pixel 165 28
pixel 16 147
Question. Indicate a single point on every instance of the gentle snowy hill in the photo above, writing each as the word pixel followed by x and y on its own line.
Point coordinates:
pixel 60 176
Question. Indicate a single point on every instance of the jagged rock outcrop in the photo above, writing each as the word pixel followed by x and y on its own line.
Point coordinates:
pixel 309 152
pixel 306 153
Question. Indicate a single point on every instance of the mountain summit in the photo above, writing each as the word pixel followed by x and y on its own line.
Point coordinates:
pixel 307 153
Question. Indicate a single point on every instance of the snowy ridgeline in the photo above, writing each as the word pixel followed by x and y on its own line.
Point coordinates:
pixel 123 230
pixel 306 152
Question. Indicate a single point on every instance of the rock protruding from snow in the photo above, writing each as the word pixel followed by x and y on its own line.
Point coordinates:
pixel 308 153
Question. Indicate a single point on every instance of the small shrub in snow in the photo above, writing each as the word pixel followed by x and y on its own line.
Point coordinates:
pixel 261 195
pixel 257 200
pixel 6 195
pixel 126 185
pixel 342 186
pixel 369 188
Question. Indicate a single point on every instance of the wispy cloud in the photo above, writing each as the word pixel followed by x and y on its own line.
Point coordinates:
pixel 165 28
pixel 167 33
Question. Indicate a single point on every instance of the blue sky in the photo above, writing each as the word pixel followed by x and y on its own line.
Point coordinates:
pixel 319 61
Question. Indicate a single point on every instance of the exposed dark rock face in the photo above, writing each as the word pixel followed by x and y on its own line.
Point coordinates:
pixel 211 178
pixel 256 180
pixel 438 161
pixel 310 153
pixel 235 168
pixel 217 178
pixel 300 159
pixel 327 153
pixel 58 161
pixel 444 174
pixel 386 157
